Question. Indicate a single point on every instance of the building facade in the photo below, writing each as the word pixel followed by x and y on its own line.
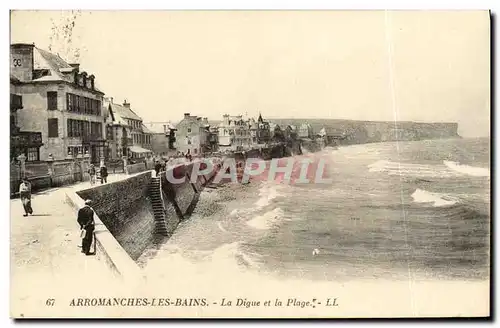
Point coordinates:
pixel 234 133
pixel 305 131
pixel 263 131
pixel 162 137
pixel 25 143
pixel 59 102
pixel 191 135
pixel 126 133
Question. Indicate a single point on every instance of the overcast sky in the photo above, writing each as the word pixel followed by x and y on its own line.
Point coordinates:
pixel 368 65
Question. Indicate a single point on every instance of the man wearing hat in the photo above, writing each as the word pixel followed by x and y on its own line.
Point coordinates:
pixel 87 225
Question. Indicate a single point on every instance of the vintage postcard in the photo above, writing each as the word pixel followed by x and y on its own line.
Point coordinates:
pixel 250 164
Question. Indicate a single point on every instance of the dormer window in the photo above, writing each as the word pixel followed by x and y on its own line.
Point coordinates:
pixel 84 79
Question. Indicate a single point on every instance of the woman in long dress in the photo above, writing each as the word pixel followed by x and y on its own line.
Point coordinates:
pixel 25 194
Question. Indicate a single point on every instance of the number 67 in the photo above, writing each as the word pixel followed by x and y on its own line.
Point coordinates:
pixel 50 302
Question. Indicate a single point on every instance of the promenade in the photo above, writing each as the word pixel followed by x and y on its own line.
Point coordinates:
pixel 45 260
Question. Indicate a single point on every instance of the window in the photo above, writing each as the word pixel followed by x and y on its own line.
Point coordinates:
pixel 53 128
pixel 195 151
pixel 82 104
pixel 189 130
pixel 109 133
pixel 51 100
pixel 69 102
pixel 96 129
pixel 33 154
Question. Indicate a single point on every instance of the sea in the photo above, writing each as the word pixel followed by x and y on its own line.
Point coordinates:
pixel 392 211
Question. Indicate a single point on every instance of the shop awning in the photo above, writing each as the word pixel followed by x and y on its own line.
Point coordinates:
pixel 139 150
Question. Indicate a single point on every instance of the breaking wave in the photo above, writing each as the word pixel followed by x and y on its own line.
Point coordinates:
pixel 267 193
pixel 230 256
pixel 267 220
pixel 423 196
pixel 468 170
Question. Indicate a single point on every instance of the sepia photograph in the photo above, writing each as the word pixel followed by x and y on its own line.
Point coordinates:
pixel 250 164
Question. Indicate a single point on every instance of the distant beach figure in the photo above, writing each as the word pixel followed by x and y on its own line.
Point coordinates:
pixel 315 252
pixel 25 194
pixel 104 174
pixel 92 172
pixel 87 226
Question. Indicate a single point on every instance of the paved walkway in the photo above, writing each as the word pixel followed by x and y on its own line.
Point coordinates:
pixel 46 261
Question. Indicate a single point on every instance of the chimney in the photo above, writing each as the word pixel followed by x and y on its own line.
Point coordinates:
pixel 22 61
pixel 164 128
pixel 186 115
pixel 126 104
pixel 111 100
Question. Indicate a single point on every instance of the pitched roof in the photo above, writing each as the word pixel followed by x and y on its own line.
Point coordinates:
pixel 146 130
pixel 59 69
pixel 124 112
pixel 157 127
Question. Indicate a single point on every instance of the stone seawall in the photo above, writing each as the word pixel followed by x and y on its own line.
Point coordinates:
pixel 126 210
pixel 124 207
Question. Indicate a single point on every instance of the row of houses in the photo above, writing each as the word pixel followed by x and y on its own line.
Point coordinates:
pixel 195 135
pixel 58 111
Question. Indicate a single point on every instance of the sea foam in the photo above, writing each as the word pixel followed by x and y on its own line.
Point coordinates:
pixel 266 193
pixel 423 196
pixel 468 170
pixel 410 169
pixel 267 220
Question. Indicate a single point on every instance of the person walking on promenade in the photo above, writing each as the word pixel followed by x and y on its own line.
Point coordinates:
pixel 87 226
pixel 92 173
pixel 25 194
pixel 157 167
pixel 104 174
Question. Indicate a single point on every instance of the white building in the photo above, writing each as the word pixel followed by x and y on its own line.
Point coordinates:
pixel 235 133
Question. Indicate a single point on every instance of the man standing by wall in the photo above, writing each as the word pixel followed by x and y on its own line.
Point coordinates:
pixel 87 226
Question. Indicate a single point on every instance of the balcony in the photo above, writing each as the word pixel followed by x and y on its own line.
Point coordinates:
pixel 26 139
pixel 91 138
